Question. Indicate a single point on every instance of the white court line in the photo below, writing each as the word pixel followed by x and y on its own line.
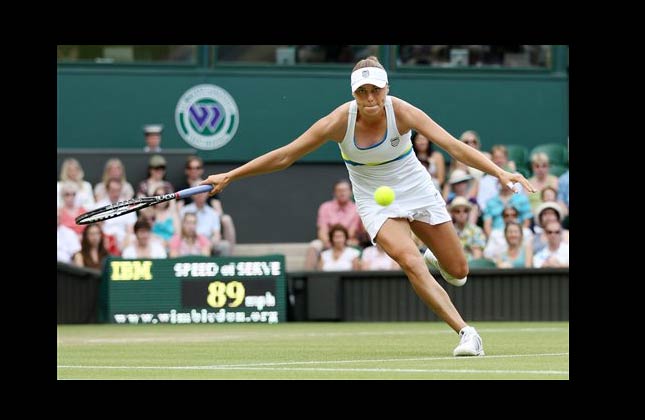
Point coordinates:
pixel 480 330
pixel 266 366
pixel 411 359
pixel 488 371
pixel 255 335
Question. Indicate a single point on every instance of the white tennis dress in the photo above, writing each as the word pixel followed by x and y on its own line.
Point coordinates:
pixel 390 162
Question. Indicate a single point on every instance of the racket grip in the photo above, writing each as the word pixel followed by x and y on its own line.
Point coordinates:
pixel 194 190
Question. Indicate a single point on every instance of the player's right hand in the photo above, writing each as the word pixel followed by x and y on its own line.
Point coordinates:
pixel 218 181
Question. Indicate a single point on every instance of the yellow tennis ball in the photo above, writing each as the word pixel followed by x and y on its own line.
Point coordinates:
pixel 384 195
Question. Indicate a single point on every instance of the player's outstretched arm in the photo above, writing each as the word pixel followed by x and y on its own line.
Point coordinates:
pixel 419 120
pixel 278 159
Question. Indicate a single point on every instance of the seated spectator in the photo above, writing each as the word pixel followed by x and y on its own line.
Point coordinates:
pixel 375 258
pixel 188 241
pixel 194 171
pixel 517 253
pixel 506 197
pixel 72 171
pixel 549 211
pixel 471 236
pixel 194 174
pixel 67 241
pixel 228 227
pixel 556 253
pixel 93 252
pixel 110 242
pixel 144 246
pixel 489 184
pixel 147 214
pixel 156 175
pixel 470 138
pixel 120 227
pixel 113 169
pixel 165 219
pixel 208 224
pixel 432 160
pixel 341 210
pixel 541 178
pixel 496 244
pixel 70 210
pixel 548 194
pixel 563 190
pixel 458 185
pixel 339 257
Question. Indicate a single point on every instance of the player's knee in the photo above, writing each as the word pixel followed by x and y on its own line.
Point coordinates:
pixel 407 260
pixel 460 270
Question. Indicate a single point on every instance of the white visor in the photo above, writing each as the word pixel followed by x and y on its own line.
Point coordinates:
pixel 369 76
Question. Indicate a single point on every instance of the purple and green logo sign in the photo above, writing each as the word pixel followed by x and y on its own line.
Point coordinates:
pixel 206 117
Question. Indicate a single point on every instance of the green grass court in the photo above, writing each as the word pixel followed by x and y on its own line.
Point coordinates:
pixel 410 350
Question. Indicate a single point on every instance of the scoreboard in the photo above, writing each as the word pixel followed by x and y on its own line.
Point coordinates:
pixel 194 290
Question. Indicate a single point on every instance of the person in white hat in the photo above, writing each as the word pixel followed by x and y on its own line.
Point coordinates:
pixel 460 183
pixel 152 135
pixel 471 236
pixel 373 133
pixel 548 211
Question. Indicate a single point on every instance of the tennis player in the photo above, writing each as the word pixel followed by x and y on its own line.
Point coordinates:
pixel 373 133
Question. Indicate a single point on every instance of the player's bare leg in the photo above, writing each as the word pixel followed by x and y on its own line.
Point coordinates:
pixel 444 243
pixel 395 238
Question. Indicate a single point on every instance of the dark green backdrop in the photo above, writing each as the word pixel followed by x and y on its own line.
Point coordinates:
pixel 106 107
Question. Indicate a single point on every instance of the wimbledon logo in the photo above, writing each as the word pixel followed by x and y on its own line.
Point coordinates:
pixel 206 117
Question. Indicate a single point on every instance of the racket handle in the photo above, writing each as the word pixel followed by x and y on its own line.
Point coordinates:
pixel 192 191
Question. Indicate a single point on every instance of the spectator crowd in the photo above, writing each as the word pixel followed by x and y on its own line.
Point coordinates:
pixel 496 227
pixel 193 226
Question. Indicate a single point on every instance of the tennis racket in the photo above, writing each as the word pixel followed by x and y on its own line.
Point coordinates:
pixel 128 206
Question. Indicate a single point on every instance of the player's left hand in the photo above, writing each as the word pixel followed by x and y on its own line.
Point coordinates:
pixel 508 180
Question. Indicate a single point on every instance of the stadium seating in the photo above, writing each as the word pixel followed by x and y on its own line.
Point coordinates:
pixel 556 152
pixel 520 155
pixel 524 171
pixel 557 170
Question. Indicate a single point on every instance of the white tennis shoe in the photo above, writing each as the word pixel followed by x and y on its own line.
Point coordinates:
pixel 470 343
pixel 431 261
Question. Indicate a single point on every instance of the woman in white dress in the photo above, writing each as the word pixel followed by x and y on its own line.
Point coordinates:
pixel 373 133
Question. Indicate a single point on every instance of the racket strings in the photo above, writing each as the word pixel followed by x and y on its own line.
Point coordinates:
pixel 114 210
